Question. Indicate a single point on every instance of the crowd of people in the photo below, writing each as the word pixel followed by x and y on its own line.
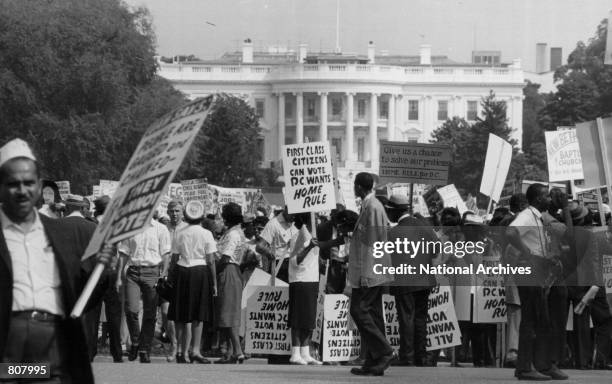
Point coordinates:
pixel 188 269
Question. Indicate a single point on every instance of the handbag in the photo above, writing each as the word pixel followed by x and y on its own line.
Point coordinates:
pixel 164 288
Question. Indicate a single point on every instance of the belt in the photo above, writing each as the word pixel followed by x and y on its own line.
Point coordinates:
pixel 144 266
pixel 41 316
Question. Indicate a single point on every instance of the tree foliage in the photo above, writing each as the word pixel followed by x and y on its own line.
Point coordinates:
pixel 77 80
pixel 469 142
pixel 227 151
pixel 584 91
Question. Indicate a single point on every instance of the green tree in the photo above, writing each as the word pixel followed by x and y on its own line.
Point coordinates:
pixel 227 151
pixel 534 146
pixel 469 143
pixel 77 80
pixel 584 91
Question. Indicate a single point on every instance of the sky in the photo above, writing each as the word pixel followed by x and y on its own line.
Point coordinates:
pixel 208 28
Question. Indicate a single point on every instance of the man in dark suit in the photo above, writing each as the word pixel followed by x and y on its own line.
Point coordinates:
pixel 41 276
pixel 411 291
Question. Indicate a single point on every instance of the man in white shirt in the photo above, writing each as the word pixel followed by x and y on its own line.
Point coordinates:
pixel 274 243
pixel 147 257
pixel 528 235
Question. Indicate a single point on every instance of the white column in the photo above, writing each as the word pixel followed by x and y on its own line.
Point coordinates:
pixel 350 134
pixel 399 116
pixel 323 112
pixel 373 128
pixel 299 118
pixel 391 118
pixel 281 123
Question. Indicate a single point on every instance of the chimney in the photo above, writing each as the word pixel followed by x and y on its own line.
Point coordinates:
pixel 541 62
pixel 371 52
pixel 556 58
pixel 303 52
pixel 247 52
pixel 425 54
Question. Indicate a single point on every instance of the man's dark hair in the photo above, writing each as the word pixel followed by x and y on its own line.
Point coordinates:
pixel 364 180
pixel 517 202
pixel 533 192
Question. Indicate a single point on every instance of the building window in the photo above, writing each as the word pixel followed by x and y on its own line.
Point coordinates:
pixel 442 110
pixel 384 110
pixel 413 109
pixel 310 108
pixel 472 110
pixel 361 108
pixel 261 148
pixel 413 140
pixel 336 143
pixel 288 109
pixel 260 108
pixel 336 107
pixel 360 149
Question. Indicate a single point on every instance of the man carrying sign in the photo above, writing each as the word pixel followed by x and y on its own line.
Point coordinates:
pixel 40 276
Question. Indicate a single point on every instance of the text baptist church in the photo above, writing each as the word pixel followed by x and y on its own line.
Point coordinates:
pixel 351 99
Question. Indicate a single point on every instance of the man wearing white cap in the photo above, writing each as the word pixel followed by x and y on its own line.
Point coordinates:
pixel 40 276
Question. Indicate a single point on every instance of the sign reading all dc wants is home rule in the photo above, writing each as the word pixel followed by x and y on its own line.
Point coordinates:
pixel 414 163
pixel 309 178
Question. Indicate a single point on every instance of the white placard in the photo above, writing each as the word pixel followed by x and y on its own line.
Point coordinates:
pixel 309 178
pixel 340 342
pixel 442 325
pixel 451 198
pixel 563 155
pixel 267 330
pixel 391 322
pixel 607 272
pixel 497 164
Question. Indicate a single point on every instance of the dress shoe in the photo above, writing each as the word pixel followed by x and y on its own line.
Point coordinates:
pixel 532 376
pixel 144 357
pixel 366 372
pixel 180 359
pixel 383 362
pixel 198 359
pixel 555 373
pixel 133 353
pixel 402 363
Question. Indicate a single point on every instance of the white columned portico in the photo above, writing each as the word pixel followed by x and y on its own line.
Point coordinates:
pixel 391 119
pixel 281 123
pixel 299 118
pixel 323 109
pixel 373 127
pixel 350 135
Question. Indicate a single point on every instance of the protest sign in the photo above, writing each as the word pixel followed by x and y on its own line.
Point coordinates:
pixel 414 163
pixel 309 181
pixel 526 183
pixel 64 188
pixel 497 164
pixel 391 321
pixel 317 333
pixel 563 155
pixel 267 330
pixel 348 194
pixel 257 279
pixel 591 153
pixel 149 172
pixel 607 272
pixel 340 342
pixel 108 187
pixel 200 190
pixel 490 295
pixel 451 198
pixel 442 325
pixel 240 196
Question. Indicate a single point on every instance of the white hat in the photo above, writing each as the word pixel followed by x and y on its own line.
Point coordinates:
pixel 194 210
pixel 15 148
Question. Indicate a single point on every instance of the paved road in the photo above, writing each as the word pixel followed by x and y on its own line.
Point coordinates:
pixel 258 372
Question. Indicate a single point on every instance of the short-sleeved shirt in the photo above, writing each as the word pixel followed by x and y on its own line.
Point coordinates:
pixel 278 234
pixel 193 243
pixel 232 244
pixel 147 248
pixel 308 270
pixel 174 230
pixel 531 228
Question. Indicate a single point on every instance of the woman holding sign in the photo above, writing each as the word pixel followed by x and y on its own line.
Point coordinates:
pixel 303 291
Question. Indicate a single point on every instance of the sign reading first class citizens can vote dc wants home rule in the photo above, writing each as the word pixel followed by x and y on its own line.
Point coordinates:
pixel 309 178
pixel 414 163
pixel 149 173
